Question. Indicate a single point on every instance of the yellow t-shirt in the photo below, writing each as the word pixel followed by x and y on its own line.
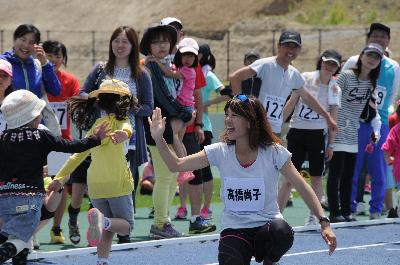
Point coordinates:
pixel 108 175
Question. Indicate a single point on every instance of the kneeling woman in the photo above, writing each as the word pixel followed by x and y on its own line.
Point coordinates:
pixel 249 159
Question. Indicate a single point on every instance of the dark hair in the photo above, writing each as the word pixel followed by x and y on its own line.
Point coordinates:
pixel 208 57
pixel 83 110
pixel 338 55
pixel 56 47
pixel 24 29
pixel 373 74
pixel 178 59
pixel 253 111
pixel 133 59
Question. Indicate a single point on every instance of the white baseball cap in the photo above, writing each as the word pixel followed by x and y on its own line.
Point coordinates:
pixel 169 20
pixel 188 45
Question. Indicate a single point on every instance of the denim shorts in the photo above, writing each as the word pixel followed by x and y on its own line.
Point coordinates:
pixel 20 215
pixel 117 207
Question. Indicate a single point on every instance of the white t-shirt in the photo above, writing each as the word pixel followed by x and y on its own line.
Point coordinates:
pixel 242 189
pixel 327 95
pixel 277 84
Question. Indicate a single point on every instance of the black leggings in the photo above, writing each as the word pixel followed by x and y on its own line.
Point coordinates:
pixel 341 171
pixel 236 246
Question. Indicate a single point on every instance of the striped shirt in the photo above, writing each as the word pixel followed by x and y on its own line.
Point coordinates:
pixel 355 94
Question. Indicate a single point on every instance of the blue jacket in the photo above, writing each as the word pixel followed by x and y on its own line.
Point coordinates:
pixel 26 75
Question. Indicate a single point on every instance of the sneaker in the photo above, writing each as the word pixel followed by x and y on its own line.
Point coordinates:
pixel 324 203
pixel 349 218
pixel 93 234
pixel 185 177
pixel 393 213
pixel 56 236
pixel 206 213
pixel 167 231
pixel 337 219
pixel 373 216
pixel 74 234
pixel 35 243
pixel 181 213
pixel 21 257
pixel 151 213
pixel 311 220
pixel 360 209
pixel 201 226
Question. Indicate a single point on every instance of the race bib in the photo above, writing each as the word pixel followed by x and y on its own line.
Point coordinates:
pixel 244 194
pixel 306 113
pixel 381 94
pixel 3 124
pixel 60 109
pixel 274 107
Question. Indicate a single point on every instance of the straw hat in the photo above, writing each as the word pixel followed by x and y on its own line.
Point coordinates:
pixel 111 86
pixel 21 107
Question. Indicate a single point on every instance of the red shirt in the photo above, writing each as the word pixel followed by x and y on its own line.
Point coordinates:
pixel 199 84
pixel 69 87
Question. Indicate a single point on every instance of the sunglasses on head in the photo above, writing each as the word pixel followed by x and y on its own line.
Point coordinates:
pixel 241 97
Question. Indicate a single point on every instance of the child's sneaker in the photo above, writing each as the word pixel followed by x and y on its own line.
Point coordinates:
pixel 360 209
pixel 167 231
pixel 181 213
pixel 56 235
pixel 185 177
pixel 151 213
pixel 93 234
pixel 311 220
pixel 206 213
pixel 74 234
pixel 393 213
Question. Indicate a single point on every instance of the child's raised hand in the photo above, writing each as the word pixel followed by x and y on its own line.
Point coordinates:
pixel 119 136
pixel 157 124
pixel 101 131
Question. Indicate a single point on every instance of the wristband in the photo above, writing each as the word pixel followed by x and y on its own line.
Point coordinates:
pixel 330 146
pixel 324 219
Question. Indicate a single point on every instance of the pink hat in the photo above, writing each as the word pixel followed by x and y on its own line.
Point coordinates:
pixel 398 102
pixel 188 45
pixel 6 67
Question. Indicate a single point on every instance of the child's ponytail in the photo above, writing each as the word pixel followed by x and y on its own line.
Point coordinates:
pixel 82 112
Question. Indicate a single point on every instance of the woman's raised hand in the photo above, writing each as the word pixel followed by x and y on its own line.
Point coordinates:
pixel 157 124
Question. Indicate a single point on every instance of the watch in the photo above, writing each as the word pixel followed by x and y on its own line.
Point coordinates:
pixel 324 219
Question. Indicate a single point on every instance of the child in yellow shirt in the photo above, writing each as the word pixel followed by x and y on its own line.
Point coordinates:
pixel 109 178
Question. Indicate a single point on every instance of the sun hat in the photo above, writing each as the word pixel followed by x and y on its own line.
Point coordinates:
pixel 273 240
pixel 21 107
pixel 6 67
pixel 188 45
pixel 111 86
pixel 290 36
pixel 149 33
pixel 331 55
pixel 373 47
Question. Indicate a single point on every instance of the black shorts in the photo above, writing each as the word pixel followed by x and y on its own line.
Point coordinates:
pixel 80 173
pixel 45 214
pixel 192 147
pixel 307 144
